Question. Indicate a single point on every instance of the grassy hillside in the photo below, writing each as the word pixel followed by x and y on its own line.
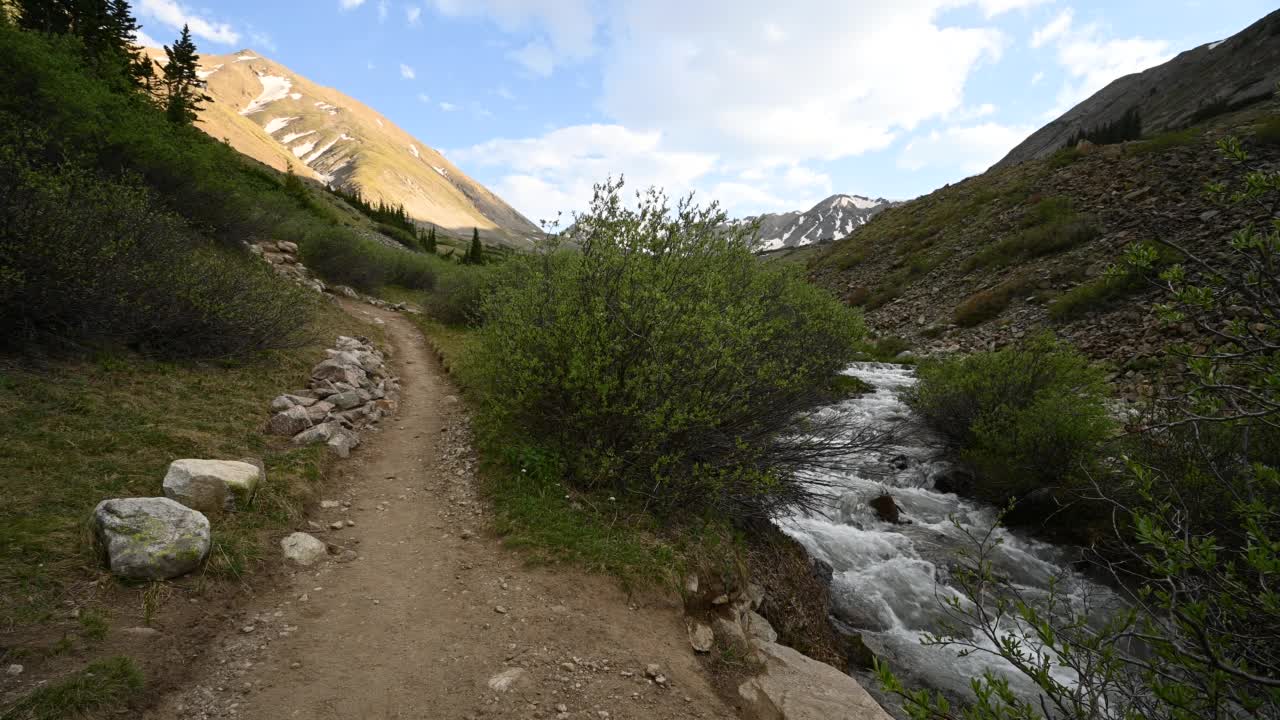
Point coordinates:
pixel 985 261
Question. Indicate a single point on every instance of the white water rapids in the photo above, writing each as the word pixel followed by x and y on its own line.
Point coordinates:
pixel 889 579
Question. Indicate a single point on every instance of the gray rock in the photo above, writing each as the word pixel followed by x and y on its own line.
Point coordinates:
pixel 151 538
pixel 320 411
pixel 15 669
pixel 508 679
pixel 338 372
pixel 346 292
pixel 794 687
pixel 345 400
pixel 290 422
pixel 730 632
pixel 321 433
pixel 303 549
pixel 211 485
pixel 291 248
pixel 284 402
pixel 701 636
pixel 343 442
pixel 760 629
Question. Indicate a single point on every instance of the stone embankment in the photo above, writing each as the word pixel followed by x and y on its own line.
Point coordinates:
pixel 158 538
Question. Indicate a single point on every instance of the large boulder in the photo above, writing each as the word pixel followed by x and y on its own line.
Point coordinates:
pixel 211 486
pixel 303 549
pixel 151 538
pixel 795 687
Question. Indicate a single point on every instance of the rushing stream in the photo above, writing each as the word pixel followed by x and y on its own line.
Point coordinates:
pixel 888 578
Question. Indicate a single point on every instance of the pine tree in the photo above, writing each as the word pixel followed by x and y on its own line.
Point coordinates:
pixel 183 87
pixel 475 253
pixel 430 245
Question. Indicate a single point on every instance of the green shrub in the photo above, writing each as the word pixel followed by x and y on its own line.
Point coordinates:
pixel 1268 133
pixel 1168 141
pixel 364 264
pixel 1050 227
pixel 1064 157
pixel 986 304
pixel 85 260
pixel 1023 418
pixel 456 298
pixel 662 361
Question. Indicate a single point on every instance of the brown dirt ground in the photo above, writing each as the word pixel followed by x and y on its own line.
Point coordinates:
pixel 432 607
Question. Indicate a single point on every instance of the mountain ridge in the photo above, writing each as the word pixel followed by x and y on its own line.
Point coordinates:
pixel 835 217
pixel 282 119
pixel 1209 79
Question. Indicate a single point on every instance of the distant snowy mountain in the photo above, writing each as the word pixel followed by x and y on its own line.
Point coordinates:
pixel 836 217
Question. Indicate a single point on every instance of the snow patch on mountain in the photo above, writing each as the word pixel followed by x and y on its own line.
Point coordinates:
pixel 274 88
pixel 294 136
pixel 413 150
pixel 275 125
pixel 304 148
pixel 204 74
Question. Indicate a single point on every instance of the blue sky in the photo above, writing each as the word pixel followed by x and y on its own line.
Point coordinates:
pixel 761 105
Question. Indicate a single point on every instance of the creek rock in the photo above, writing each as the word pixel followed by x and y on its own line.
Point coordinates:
pixel 290 422
pixel 211 486
pixel 303 549
pixel 758 628
pixel 795 687
pixel 151 538
pixel 886 508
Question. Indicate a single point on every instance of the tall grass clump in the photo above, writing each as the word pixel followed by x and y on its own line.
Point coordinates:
pixel 1023 418
pixel 662 363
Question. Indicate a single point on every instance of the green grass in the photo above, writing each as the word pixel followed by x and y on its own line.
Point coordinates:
pixel 94 625
pixel 1268 133
pixel 105 684
pixel 1064 157
pixel 1051 226
pixel 79 432
pixel 1168 141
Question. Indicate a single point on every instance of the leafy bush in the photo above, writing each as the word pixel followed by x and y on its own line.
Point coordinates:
pixel 1023 418
pixel 336 254
pixel 664 362
pixel 458 293
pixel 86 260
pixel 986 304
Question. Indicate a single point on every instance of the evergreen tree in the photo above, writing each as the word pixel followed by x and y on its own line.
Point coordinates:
pixel 475 253
pixel 430 245
pixel 182 86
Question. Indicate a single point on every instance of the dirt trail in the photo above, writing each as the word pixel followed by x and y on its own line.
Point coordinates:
pixel 432 610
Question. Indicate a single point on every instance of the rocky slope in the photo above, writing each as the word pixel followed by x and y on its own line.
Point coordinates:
pixel 1212 78
pixel 836 217
pixel 267 111
pixel 960 269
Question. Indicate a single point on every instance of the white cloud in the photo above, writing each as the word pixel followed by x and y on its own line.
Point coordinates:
pixel 145 40
pixel 413 14
pixel 970 149
pixel 423 97
pixel 555 172
pixel 536 57
pixel 263 40
pixel 504 93
pixel 1037 78
pixel 564 30
pixel 853 76
pixel 992 8
pixel 174 15
pixel 350 4
pixel 448 106
pixel 384 9
pixel 1091 59
pixel 407 72
pixel 1054 29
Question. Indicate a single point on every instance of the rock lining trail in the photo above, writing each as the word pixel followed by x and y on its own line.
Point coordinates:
pixel 422 614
